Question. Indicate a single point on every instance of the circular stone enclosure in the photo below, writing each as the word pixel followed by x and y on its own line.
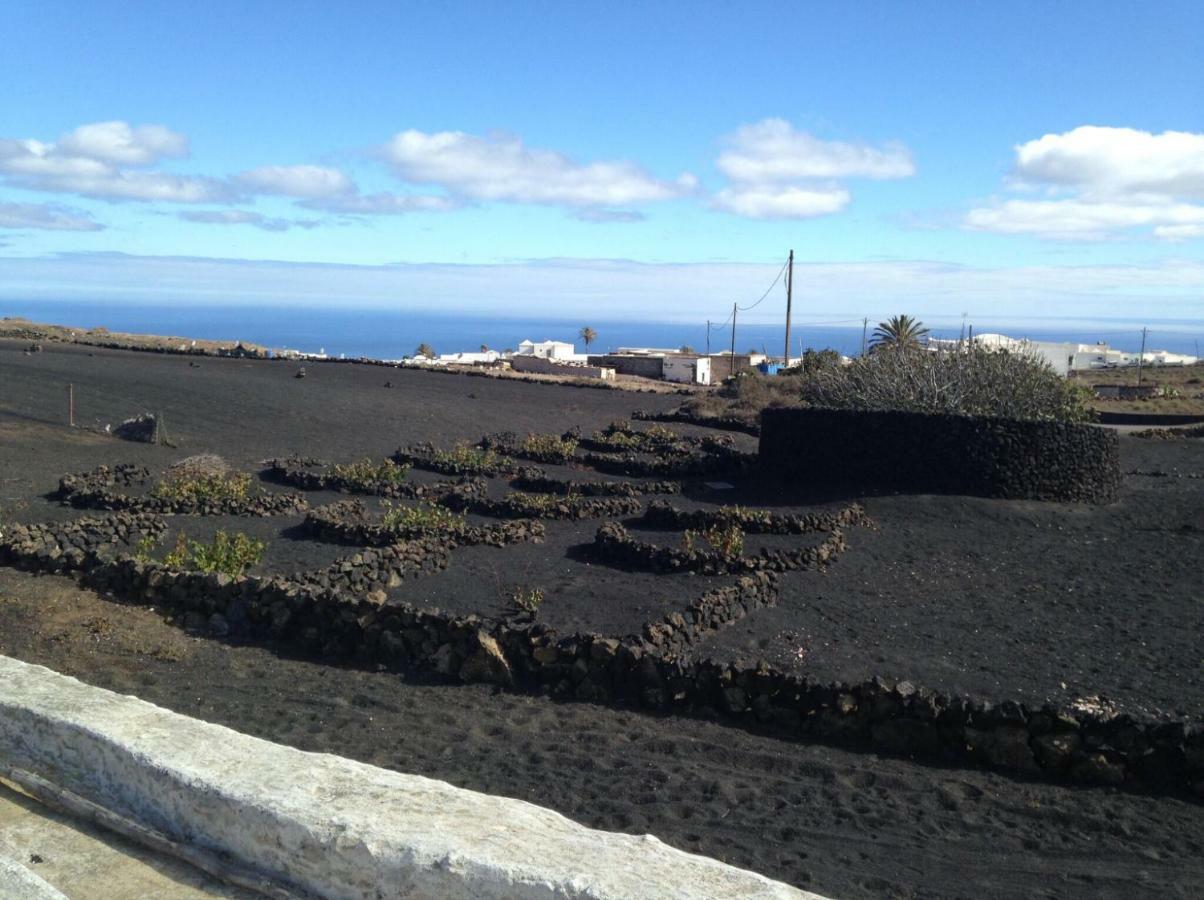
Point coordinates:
pixel 941 453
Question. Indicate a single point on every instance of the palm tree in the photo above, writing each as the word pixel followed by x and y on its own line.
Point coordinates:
pixel 588 335
pixel 484 348
pixel 898 331
pixel 425 350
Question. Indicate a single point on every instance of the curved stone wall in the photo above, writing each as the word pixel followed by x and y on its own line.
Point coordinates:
pixel 947 454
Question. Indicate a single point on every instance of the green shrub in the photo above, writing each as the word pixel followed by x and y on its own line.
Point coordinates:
pixel 229 554
pixel 535 504
pixel 527 600
pixel 472 459
pixel 726 540
pixel 426 517
pixel 549 447
pixel 145 548
pixel 183 487
pixel 969 381
pixel 367 473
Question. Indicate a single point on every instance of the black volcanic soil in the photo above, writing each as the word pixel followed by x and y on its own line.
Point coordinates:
pixel 1010 598
pixel 844 824
pixel 999 599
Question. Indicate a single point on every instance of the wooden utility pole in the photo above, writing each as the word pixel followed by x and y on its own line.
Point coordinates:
pixel 1141 357
pixel 731 369
pixel 708 337
pixel 71 405
pixel 865 324
pixel 789 291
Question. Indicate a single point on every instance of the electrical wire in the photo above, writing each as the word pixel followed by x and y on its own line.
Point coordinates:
pixel 767 290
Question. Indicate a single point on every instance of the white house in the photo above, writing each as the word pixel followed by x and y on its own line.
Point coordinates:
pixel 688 369
pixel 546 349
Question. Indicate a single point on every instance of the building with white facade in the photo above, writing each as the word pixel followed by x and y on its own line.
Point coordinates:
pixel 547 349
pixel 1065 357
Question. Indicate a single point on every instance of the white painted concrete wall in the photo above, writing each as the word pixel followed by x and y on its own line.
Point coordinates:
pixel 336 828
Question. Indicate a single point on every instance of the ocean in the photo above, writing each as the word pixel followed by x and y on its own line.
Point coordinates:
pixel 390 334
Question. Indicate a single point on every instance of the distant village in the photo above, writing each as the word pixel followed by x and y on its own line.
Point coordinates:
pixel 686 366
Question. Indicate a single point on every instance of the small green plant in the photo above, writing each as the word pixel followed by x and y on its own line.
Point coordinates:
pixel 549 447
pixel 471 459
pixel 229 554
pixel 145 548
pixel 366 473
pixel 527 600
pixel 426 517
pixel 726 540
pixel 661 434
pixel 196 488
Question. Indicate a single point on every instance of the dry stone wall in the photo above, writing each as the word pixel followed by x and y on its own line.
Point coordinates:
pixel 921 453
pixel 347 621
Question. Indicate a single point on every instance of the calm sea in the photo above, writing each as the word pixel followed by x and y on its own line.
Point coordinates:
pixel 386 334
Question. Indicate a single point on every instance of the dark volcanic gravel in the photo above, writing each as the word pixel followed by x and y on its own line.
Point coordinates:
pixel 994 598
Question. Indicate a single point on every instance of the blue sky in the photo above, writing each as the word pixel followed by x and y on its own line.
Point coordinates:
pixel 1019 158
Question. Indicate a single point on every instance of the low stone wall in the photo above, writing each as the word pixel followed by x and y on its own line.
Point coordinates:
pixel 540 366
pixel 266 819
pixel 519 505
pixel 723 423
pixel 547 485
pixel 347 522
pixel 917 452
pixel 96 490
pixel 662 515
pixel 614 545
pixel 671 466
pixel 426 456
pixel 353 621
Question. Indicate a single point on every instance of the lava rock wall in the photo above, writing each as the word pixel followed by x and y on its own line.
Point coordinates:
pixel 946 454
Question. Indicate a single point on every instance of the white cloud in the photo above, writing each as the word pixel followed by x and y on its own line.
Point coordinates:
pixel 1179 232
pixel 1104 183
pixel 781 201
pixel 245 217
pixel 46 216
pixel 502 168
pixel 92 161
pixel 771 152
pixel 123 144
pixel 597 216
pixel 382 204
pixel 780 173
pixel 1075 219
pixel 303 181
pixel 1116 161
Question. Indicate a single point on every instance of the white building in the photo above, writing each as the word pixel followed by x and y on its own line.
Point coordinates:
pixel 469 359
pixel 688 369
pixel 1065 357
pixel 547 349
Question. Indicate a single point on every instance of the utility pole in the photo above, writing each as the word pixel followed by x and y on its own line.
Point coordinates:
pixel 1141 357
pixel 71 405
pixel 731 368
pixel 865 324
pixel 708 337
pixel 789 292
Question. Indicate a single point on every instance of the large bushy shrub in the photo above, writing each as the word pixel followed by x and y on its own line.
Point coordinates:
pixel 968 381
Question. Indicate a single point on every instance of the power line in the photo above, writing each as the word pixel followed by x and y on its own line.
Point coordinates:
pixel 767 290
